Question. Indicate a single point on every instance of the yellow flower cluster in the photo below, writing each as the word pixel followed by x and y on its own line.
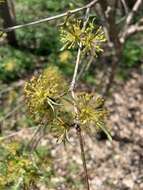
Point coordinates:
pixel 90 38
pixel 10 65
pixel 18 167
pixel 12 148
pixel 71 34
pixel 91 111
pixel 43 93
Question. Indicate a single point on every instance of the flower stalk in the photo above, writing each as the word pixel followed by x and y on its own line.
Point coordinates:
pixel 78 129
pixel 72 86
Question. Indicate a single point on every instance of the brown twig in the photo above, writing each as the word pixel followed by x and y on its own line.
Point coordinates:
pixel 78 129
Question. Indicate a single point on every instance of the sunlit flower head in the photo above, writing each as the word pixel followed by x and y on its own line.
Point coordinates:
pixel 43 93
pixel 92 112
pixel 73 34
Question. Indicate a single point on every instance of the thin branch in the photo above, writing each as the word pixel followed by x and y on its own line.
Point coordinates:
pixel 83 155
pixel 47 19
pixel 72 87
pixel 101 12
pixel 9 114
pixel 131 30
pixel 13 86
pixel 128 21
pixel 85 67
pixel 19 134
pixel 12 135
pixel 133 12
pixel 75 71
pixel 125 6
pixel 38 135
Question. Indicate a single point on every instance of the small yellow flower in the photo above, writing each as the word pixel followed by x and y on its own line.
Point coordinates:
pixel 43 94
pixel 10 65
pixel 90 38
pixel 71 34
pixel 91 111
pixel 12 147
pixel 64 56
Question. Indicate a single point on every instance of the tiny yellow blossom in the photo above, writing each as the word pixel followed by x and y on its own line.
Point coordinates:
pixel 64 56
pixel 10 65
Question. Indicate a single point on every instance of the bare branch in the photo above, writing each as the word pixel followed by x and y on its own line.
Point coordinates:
pixel 75 71
pixel 131 30
pixel 101 13
pixel 22 134
pixel 125 6
pixel 85 67
pixel 128 21
pixel 83 155
pixel 9 114
pixel 13 86
pixel 89 5
pixel 133 11
pixel 72 86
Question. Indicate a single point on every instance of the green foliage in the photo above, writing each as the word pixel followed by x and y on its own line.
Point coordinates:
pixel 14 63
pixel 90 79
pixel 132 54
pixel 44 7
pixel 44 39
pixel 19 169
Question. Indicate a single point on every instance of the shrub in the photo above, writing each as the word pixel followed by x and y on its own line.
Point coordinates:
pixel 14 63
pixel 44 39
pixel 132 54
pixel 18 170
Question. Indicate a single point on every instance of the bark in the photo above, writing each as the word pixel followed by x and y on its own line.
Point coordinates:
pixel 9 19
pixel 114 42
pixel 130 3
pixel 114 66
